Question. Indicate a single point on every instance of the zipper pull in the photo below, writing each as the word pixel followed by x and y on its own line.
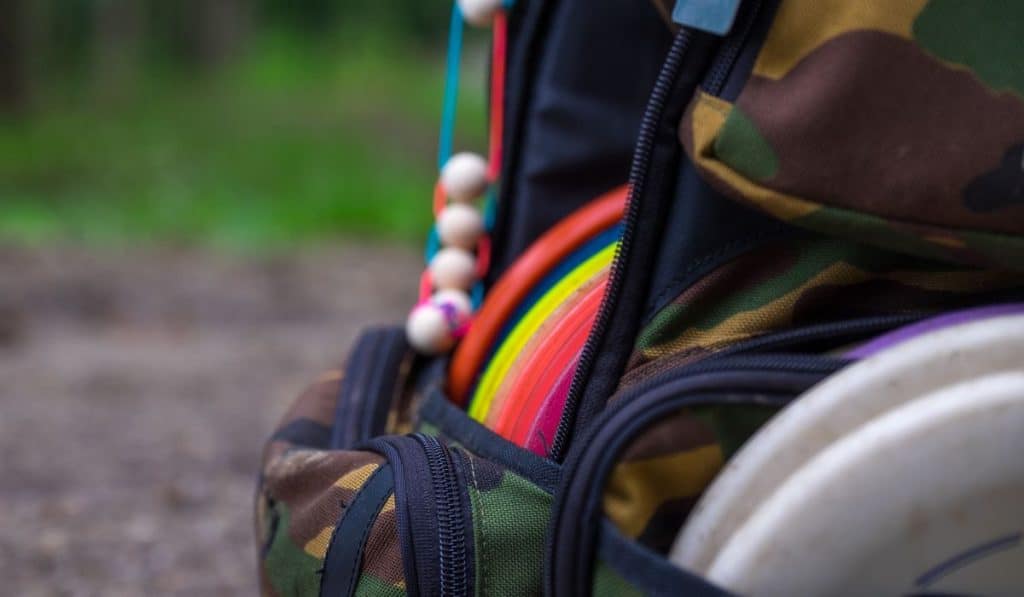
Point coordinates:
pixel 713 16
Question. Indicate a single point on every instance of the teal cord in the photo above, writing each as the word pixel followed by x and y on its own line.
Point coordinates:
pixel 451 87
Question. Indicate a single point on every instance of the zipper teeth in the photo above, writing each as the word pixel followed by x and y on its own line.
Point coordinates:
pixel 637 175
pixel 720 71
pixel 451 531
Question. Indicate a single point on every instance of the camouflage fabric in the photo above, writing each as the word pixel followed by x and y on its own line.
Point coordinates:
pixel 661 474
pixel 894 122
pixel 609 584
pixel 304 488
pixel 789 283
pixel 510 519
pixel 804 281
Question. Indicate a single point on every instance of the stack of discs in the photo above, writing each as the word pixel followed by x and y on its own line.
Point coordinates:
pixel 524 341
pixel 898 475
pixel 543 340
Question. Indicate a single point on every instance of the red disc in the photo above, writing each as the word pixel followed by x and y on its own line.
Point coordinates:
pixel 557 352
pixel 560 325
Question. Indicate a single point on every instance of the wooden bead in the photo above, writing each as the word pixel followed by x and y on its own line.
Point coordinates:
pixel 457 301
pixel 464 177
pixel 427 329
pixel 460 225
pixel 434 324
pixel 479 12
pixel 453 268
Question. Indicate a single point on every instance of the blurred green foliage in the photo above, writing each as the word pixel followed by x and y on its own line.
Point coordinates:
pixel 318 123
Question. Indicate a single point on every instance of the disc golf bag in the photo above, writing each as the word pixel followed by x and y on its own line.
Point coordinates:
pixel 807 174
pixel 349 502
pixel 879 145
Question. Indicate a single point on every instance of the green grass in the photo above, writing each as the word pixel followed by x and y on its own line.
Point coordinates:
pixel 289 146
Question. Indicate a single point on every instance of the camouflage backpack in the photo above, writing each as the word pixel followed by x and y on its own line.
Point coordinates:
pixel 808 174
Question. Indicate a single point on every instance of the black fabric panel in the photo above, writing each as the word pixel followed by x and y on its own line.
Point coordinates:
pixel 703 229
pixel 648 572
pixel 650 204
pixel 576 95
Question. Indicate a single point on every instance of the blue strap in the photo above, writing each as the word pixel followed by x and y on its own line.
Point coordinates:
pixel 451 87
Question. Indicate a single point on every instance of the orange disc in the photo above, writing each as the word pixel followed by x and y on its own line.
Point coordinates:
pixel 515 284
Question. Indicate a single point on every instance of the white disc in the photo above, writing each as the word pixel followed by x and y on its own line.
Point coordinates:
pixel 926 498
pixel 479 12
pixel 460 225
pixel 453 268
pixel 835 407
pixel 464 177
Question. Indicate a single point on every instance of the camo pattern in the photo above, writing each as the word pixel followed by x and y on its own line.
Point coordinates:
pixel 789 283
pixel 800 281
pixel 660 476
pixel 510 520
pixel 304 488
pixel 607 583
pixel 894 122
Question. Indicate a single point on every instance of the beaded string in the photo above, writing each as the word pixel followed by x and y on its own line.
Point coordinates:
pixel 458 249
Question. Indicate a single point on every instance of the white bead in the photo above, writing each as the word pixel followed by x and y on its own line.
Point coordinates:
pixel 453 268
pixel 464 177
pixel 479 12
pixel 459 302
pixel 460 225
pixel 428 331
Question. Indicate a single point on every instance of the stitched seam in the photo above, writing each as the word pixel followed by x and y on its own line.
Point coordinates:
pixel 670 288
pixel 483 528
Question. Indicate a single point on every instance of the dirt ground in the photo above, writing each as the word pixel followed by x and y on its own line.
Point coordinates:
pixel 135 391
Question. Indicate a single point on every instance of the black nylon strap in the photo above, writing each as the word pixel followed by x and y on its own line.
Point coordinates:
pixel 345 553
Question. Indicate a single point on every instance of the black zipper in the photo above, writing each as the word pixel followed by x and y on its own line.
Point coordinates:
pixel 433 515
pixel 637 178
pixel 451 529
pixel 768 379
pixel 730 50
pixel 715 79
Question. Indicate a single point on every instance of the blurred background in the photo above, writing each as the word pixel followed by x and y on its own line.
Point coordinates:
pixel 201 202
